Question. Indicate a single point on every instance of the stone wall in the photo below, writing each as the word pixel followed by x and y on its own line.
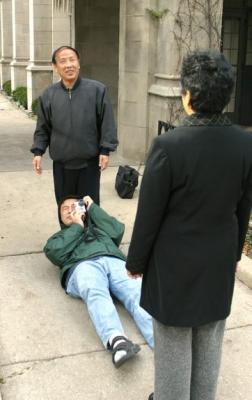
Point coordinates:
pixel 20 35
pixel 6 36
pixel 180 30
pixel 22 29
pixel 62 33
pixel 136 72
pixel 39 70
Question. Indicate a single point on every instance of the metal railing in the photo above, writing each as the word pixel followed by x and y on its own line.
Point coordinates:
pixel 164 127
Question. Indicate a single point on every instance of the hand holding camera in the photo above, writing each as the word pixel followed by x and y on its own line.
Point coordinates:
pixel 79 209
pixel 87 201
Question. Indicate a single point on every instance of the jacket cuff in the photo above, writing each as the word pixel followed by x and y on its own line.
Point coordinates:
pixel 37 152
pixel 90 208
pixel 134 267
pixel 104 151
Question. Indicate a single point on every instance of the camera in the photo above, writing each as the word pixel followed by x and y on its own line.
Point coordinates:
pixel 80 206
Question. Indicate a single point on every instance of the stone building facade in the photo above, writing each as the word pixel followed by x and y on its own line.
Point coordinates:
pixel 134 46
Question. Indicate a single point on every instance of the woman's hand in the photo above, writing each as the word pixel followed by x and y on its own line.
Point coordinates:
pixel 238 268
pixel 134 276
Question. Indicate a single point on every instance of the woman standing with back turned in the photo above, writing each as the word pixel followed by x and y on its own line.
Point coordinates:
pixel 192 218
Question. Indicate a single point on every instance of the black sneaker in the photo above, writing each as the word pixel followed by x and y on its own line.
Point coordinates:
pixel 151 396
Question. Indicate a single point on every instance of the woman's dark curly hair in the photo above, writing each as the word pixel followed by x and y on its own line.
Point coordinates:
pixel 209 78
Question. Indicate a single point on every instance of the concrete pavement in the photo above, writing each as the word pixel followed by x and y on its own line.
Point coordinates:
pixel 48 347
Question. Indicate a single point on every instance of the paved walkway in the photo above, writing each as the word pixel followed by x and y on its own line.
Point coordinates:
pixel 49 350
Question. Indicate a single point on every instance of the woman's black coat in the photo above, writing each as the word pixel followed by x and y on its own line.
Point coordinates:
pixel 191 222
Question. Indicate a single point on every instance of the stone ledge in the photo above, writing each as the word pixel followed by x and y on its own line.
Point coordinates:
pixel 166 86
pixel 164 91
pixel 245 272
pixel 167 77
pixel 5 60
pixel 39 68
pixel 16 63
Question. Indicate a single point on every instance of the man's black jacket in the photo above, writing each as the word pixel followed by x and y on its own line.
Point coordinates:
pixel 76 124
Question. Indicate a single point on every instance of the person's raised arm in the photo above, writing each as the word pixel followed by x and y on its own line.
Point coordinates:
pixel 110 225
pixel 107 128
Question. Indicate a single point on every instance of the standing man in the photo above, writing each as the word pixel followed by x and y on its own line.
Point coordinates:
pixel 75 119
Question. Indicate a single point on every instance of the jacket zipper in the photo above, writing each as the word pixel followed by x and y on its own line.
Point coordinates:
pixel 70 100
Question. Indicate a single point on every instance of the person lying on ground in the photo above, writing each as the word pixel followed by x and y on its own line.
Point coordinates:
pixel 92 267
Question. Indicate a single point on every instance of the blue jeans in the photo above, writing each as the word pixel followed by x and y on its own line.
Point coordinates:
pixel 93 280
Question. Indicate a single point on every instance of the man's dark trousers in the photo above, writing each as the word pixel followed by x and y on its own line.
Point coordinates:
pixel 80 182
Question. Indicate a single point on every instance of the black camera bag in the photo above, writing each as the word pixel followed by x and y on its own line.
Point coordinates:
pixel 126 181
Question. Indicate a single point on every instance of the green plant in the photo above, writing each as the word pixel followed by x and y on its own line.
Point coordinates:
pixel 35 106
pixel 157 14
pixel 7 87
pixel 20 96
pixel 248 240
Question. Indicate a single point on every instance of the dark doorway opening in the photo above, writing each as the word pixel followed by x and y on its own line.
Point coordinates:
pixel 237 46
pixel 97 39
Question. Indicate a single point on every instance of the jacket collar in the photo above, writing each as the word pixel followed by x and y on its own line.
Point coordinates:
pixel 206 120
pixel 76 84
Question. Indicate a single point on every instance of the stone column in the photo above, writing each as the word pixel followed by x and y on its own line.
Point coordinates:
pixel 6 41
pixel 137 55
pixel 62 34
pixel 39 70
pixel 1 39
pixel 20 35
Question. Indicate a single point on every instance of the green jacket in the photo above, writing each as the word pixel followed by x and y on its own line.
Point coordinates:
pixel 75 243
